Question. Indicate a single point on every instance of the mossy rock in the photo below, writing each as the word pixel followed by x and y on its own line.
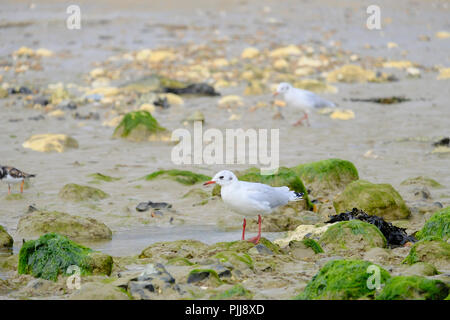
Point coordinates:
pixel 327 176
pixel 237 292
pixel 204 275
pixel 140 126
pixel 78 228
pixel 352 235
pixel 52 254
pixel 99 291
pixel 421 269
pixel 376 199
pixel 174 249
pixel 284 177
pixel 438 226
pixel 6 241
pixel 239 260
pixel 76 192
pixel 98 177
pixel 180 261
pixel 435 252
pixel 421 180
pixel 413 288
pixel 313 244
pixel 182 176
pixel 342 280
pixel 236 246
pixel 14 197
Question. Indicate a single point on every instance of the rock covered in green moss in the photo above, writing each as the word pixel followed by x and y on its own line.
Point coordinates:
pixel 6 241
pixel 352 235
pixel 76 192
pixel 413 288
pixel 234 293
pixel 204 275
pixel 174 249
pixel 313 244
pixel 435 252
pixel 99 291
pixel 182 176
pixel 421 269
pixel 438 226
pixel 327 176
pixel 342 280
pixel 52 254
pixel 99 177
pixel 376 199
pixel 38 223
pixel 421 180
pixel 140 126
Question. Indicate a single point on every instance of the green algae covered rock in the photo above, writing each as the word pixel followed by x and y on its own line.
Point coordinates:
pixel 76 192
pixel 352 235
pixel 413 288
pixel 140 126
pixel 38 223
pixel 376 199
pixel 342 280
pixel 174 249
pixel 313 244
pixel 435 252
pixel 98 177
pixel 234 293
pixel 182 176
pixel 421 180
pixel 6 241
pixel 99 291
pixel 327 175
pixel 284 177
pixel 52 254
pixel 438 226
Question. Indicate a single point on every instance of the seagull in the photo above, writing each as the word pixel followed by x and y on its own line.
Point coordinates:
pixel 249 198
pixel 302 99
pixel 12 175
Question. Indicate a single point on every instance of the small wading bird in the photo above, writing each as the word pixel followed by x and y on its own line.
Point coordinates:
pixel 301 99
pixel 249 198
pixel 12 175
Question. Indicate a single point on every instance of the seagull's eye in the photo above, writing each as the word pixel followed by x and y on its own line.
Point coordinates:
pixel 221 177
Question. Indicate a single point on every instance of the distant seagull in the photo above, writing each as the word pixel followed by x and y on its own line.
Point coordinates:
pixel 249 198
pixel 12 175
pixel 302 99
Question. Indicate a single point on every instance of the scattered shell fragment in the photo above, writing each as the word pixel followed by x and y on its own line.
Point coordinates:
pixel 230 102
pixel 249 53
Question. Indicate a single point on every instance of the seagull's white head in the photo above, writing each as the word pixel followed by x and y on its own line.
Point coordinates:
pixel 223 178
pixel 283 88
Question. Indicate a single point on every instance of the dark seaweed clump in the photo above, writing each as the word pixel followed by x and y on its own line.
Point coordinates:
pixel 395 236
pixel 443 142
pixel 195 88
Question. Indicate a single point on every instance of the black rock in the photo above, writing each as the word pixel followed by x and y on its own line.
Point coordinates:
pixel 197 277
pixel 89 116
pixel 43 101
pixel 144 206
pixel 395 236
pixel 445 142
pixel 162 102
pixel 195 88
pixel 20 90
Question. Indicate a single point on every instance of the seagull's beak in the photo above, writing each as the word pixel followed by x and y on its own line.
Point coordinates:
pixel 275 93
pixel 208 182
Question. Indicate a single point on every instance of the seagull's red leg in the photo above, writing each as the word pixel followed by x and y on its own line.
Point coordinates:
pixel 307 119
pixel 9 189
pixel 21 186
pixel 300 122
pixel 243 229
pixel 256 239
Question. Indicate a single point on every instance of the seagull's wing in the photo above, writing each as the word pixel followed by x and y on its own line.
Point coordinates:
pixel 271 197
pixel 317 101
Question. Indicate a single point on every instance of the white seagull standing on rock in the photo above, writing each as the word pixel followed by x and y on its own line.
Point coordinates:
pixel 302 99
pixel 249 198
